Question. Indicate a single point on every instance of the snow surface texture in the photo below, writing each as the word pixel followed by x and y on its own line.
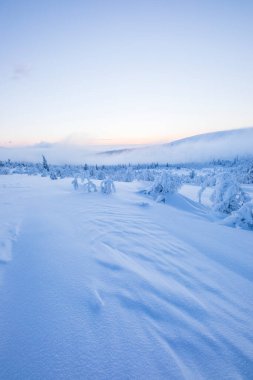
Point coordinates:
pixel 11 212
pixel 200 148
pixel 121 287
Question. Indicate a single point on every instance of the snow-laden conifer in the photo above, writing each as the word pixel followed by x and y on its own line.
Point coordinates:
pixel 107 186
pixel 75 183
pixel 89 186
pixel 228 195
pixel 166 183
pixel 44 163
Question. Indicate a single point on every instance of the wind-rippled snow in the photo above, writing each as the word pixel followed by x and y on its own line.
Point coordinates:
pixel 120 287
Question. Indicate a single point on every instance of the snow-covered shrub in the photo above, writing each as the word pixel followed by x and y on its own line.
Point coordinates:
pixel 166 183
pixel 75 183
pixel 89 187
pixel 53 175
pixel 228 195
pixel 107 186
pixel 5 171
pixel 241 218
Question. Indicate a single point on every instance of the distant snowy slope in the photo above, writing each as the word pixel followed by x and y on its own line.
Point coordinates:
pixel 223 145
pixel 205 147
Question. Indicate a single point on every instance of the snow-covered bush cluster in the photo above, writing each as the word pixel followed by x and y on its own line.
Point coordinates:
pixel 106 186
pixel 86 185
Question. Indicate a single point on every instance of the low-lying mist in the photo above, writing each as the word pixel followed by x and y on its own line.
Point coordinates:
pixel 200 148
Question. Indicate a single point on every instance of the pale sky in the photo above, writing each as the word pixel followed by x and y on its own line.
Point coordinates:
pixel 124 70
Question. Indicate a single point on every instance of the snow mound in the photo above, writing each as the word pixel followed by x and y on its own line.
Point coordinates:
pixel 185 204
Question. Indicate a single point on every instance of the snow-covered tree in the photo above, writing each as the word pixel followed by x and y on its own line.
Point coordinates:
pixel 192 174
pixel 107 186
pixel 89 186
pixel 241 218
pixel 75 183
pixel 53 175
pixel 228 195
pixel 166 183
pixel 44 163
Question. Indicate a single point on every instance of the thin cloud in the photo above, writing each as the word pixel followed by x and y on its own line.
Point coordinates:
pixel 21 71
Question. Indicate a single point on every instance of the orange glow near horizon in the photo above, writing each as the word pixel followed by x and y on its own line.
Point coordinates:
pixel 95 141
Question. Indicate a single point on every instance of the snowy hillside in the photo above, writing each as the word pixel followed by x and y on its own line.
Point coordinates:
pixel 118 286
pixel 200 148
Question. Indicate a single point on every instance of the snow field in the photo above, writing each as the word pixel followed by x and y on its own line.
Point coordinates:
pixel 120 287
